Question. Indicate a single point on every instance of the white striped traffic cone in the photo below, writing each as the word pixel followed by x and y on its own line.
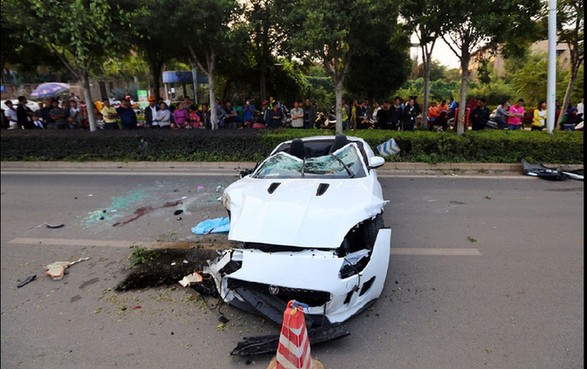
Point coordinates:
pixel 293 351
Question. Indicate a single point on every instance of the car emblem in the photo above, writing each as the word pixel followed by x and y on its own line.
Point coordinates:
pixel 274 290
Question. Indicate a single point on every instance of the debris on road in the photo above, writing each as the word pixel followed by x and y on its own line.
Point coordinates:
pixel 56 270
pixel 54 226
pixel 551 174
pixel 190 279
pixel 26 281
pixel 156 270
pixel 216 225
pixel 177 212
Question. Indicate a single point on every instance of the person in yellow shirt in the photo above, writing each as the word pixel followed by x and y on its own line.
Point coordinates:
pixel 110 116
pixel 539 117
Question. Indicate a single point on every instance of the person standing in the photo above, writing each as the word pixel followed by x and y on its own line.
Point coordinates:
pixel 452 107
pixel 516 114
pixel 297 115
pixel 411 112
pixel 433 113
pixel 10 114
pixel 309 114
pixel 539 117
pixel 151 112
pixel 74 117
pixel 24 114
pixel 374 112
pixel 480 115
pixel 58 115
pixel 384 116
pixel 274 117
pixel 230 115
pixel 397 111
pixel 109 115
pixel 249 111
pixel 127 115
pixel 502 114
pixel 205 121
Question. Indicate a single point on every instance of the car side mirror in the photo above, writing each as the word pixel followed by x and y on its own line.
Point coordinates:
pixel 376 162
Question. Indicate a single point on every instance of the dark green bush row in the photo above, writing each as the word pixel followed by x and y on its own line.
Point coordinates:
pixel 253 145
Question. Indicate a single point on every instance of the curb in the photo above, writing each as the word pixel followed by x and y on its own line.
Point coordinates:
pixel 491 169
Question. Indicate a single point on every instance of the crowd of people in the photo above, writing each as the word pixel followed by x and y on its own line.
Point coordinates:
pixel 399 115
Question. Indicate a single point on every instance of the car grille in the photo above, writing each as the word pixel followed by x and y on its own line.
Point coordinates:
pixel 310 297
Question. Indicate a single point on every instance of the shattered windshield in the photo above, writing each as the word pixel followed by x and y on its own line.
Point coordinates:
pixel 343 163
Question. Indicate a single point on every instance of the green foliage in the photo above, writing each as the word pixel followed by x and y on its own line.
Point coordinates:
pixel 140 255
pixel 495 93
pixel 490 146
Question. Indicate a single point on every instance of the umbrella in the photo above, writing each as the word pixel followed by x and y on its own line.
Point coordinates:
pixel 49 89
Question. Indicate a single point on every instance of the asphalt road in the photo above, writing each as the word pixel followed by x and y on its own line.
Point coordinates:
pixel 485 273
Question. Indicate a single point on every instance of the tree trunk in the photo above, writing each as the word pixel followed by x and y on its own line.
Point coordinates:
pixel 88 100
pixel 262 83
pixel 338 106
pixel 426 93
pixel 463 98
pixel 426 59
pixel 210 72
pixel 156 76
pixel 567 97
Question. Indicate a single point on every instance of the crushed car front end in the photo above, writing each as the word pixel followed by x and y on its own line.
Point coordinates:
pixel 318 239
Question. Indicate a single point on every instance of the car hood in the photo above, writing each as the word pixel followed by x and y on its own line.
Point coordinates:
pixel 292 212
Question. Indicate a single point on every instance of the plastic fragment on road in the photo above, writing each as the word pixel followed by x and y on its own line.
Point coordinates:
pixel 190 279
pixel 216 225
pixel 551 174
pixel 56 270
pixel 54 226
pixel 26 281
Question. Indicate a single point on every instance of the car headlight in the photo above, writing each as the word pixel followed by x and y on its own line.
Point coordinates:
pixel 225 200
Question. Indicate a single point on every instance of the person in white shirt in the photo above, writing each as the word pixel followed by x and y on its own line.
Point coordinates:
pixel 10 114
pixel 297 116
pixel 580 110
pixel 163 116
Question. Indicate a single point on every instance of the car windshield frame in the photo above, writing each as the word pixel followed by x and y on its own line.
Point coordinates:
pixel 344 163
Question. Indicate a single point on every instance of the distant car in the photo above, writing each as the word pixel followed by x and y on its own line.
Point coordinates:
pixel 308 225
pixel 33 105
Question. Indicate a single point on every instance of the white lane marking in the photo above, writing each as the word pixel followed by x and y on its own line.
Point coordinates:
pixel 435 251
pixel 79 242
pixel 160 244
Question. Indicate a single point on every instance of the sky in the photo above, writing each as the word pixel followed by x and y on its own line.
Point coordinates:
pixel 442 53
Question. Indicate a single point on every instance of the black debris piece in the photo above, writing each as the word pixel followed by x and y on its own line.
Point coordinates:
pixel 54 226
pixel 268 344
pixel 222 319
pixel 178 211
pixel 26 281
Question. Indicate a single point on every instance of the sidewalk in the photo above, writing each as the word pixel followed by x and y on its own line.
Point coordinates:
pixel 489 169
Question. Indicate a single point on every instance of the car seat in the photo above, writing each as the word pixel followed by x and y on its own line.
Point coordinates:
pixel 297 148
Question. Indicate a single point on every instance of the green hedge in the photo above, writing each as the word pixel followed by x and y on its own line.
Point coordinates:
pixel 489 146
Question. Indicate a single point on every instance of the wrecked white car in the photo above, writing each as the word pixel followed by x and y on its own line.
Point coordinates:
pixel 308 222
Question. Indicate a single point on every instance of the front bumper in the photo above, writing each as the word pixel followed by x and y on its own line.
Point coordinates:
pixel 264 282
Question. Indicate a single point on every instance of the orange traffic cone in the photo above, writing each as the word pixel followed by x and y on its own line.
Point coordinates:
pixel 293 351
